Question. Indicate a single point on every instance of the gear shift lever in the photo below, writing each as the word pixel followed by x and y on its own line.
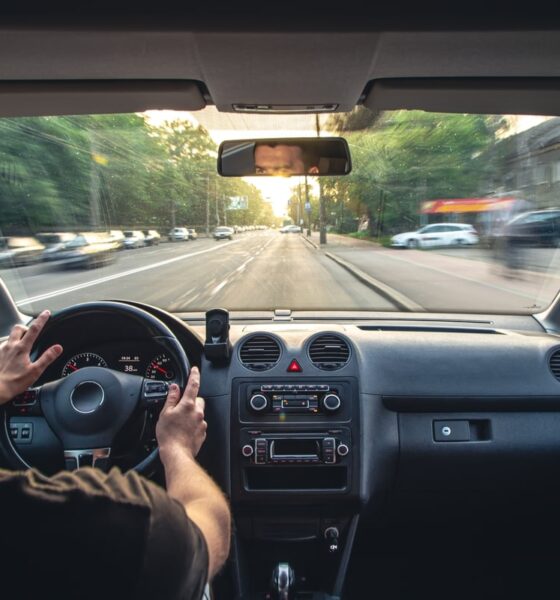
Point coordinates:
pixel 283 582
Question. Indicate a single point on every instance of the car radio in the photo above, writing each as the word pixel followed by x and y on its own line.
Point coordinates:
pixel 294 398
pixel 325 447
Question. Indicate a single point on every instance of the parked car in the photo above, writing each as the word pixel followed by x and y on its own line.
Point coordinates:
pixel 437 234
pixel 117 235
pixel 223 233
pixel 89 250
pixel 192 234
pixel 151 237
pixel 19 251
pixel 290 229
pixel 134 239
pixel 534 228
pixel 178 234
pixel 54 243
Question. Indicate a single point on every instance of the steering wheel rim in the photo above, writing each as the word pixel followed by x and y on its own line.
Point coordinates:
pixel 154 328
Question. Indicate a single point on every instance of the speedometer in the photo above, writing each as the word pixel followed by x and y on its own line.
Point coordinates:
pixel 79 361
pixel 161 367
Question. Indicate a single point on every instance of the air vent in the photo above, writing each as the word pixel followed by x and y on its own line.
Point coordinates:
pixel 329 352
pixel 259 353
pixel 555 364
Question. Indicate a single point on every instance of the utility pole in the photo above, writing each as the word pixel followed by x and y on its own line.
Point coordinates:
pixel 207 205
pixel 217 208
pixel 173 211
pixel 225 209
pixel 299 204
pixel 309 211
pixel 322 216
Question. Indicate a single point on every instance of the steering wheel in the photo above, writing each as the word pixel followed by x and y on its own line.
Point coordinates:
pixel 89 410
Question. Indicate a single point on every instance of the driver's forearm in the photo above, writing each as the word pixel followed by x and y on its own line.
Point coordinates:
pixel 204 502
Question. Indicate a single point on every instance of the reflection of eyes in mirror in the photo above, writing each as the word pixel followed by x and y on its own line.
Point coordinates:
pixel 284 160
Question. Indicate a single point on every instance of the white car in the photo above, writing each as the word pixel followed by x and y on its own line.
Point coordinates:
pixel 134 239
pixel 178 234
pixel 438 234
pixel 290 229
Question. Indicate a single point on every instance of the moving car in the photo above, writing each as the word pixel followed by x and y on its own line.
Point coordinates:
pixel 54 243
pixel 88 250
pixel 437 234
pixel 223 233
pixel 383 424
pixel 20 251
pixel 179 234
pixel 151 237
pixel 192 234
pixel 534 228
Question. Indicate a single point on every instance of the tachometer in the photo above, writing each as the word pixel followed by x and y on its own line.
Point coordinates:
pixel 161 367
pixel 79 361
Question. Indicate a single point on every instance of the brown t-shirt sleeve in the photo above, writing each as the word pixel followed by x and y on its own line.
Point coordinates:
pixel 86 534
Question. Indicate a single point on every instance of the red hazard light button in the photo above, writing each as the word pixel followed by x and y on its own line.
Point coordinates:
pixel 294 367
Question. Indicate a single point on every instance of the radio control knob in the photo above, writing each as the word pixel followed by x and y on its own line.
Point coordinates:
pixel 247 450
pixel 258 402
pixel 331 402
pixel 342 450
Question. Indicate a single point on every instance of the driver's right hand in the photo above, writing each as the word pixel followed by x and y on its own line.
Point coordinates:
pixel 181 426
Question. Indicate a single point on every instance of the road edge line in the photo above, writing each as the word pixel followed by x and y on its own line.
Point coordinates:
pixel 399 300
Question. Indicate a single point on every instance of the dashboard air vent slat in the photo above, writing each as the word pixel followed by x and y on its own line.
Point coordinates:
pixel 259 353
pixel 554 363
pixel 329 352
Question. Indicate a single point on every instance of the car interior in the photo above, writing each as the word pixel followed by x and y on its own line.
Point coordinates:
pixel 374 453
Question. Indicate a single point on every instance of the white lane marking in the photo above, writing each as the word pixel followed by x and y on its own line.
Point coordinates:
pixel 218 287
pixel 87 284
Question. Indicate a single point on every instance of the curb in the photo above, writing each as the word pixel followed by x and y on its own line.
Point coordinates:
pixel 310 242
pixel 399 300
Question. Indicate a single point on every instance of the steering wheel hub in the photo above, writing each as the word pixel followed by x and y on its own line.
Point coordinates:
pixel 87 397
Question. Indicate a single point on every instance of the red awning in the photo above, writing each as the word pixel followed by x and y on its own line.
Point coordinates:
pixel 465 205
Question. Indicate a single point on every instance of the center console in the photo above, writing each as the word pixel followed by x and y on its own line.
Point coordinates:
pixel 294 481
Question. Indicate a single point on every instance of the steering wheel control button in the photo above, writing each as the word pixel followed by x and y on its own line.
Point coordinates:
pixel 342 450
pixel 155 392
pixel 87 397
pixel 247 451
pixel 331 402
pixel 452 431
pixel 28 398
pixel 258 402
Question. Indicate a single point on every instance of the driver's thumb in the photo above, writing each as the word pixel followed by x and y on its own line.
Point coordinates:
pixel 173 396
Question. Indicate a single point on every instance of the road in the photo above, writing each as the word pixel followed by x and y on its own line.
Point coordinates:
pixel 265 270
pixel 256 271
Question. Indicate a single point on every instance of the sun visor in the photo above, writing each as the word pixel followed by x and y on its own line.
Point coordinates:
pixel 49 98
pixel 530 96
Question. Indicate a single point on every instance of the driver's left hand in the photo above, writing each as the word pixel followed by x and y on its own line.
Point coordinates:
pixel 17 371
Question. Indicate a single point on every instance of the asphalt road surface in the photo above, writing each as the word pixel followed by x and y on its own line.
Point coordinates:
pixel 265 270
pixel 256 271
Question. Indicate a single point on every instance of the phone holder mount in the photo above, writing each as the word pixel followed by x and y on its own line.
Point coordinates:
pixel 217 347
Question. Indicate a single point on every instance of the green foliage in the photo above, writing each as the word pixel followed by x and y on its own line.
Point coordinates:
pixel 404 158
pixel 114 171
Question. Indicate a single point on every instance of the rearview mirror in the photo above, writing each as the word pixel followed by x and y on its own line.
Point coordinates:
pixel 284 157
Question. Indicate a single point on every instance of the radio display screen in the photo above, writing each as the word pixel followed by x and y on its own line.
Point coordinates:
pixel 295 447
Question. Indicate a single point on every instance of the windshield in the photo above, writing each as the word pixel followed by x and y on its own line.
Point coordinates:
pixel 429 213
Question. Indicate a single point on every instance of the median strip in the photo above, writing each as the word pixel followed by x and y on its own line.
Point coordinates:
pixel 401 301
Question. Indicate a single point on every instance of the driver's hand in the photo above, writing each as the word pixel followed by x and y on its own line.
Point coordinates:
pixel 181 426
pixel 17 372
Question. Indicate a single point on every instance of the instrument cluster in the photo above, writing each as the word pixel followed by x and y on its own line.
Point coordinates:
pixel 144 359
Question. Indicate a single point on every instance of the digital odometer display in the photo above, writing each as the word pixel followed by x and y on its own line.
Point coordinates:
pixel 130 363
